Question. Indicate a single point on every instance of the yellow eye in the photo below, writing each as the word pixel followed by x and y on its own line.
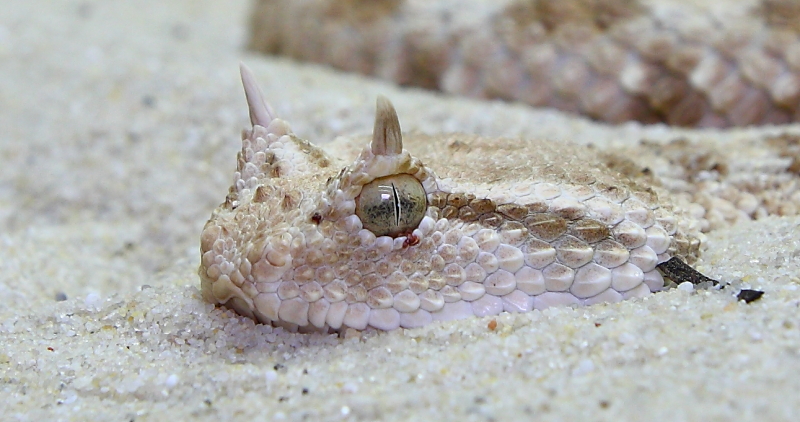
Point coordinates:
pixel 392 205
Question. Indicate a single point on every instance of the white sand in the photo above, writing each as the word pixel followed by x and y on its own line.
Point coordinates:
pixel 119 125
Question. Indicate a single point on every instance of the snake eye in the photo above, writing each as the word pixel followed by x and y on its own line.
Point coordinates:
pixel 392 205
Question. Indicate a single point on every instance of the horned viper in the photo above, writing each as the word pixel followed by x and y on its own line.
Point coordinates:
pixel 390 237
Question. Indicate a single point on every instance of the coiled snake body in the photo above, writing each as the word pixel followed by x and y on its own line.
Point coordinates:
pixel 687 63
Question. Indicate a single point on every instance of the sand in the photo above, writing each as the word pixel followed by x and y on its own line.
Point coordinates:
pixel 119 125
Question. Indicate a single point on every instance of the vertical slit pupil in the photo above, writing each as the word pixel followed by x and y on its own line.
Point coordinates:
pixel 396 205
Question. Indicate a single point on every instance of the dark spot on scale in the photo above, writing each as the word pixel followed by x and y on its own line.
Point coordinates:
pixel 260 195
pixel 288 202
pixel 411 240
pixel 316 218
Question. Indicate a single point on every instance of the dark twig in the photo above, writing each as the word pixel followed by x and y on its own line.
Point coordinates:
pixel 680 272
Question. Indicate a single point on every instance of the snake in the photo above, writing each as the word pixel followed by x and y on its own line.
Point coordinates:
pixel 403 229
pixel 694 63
